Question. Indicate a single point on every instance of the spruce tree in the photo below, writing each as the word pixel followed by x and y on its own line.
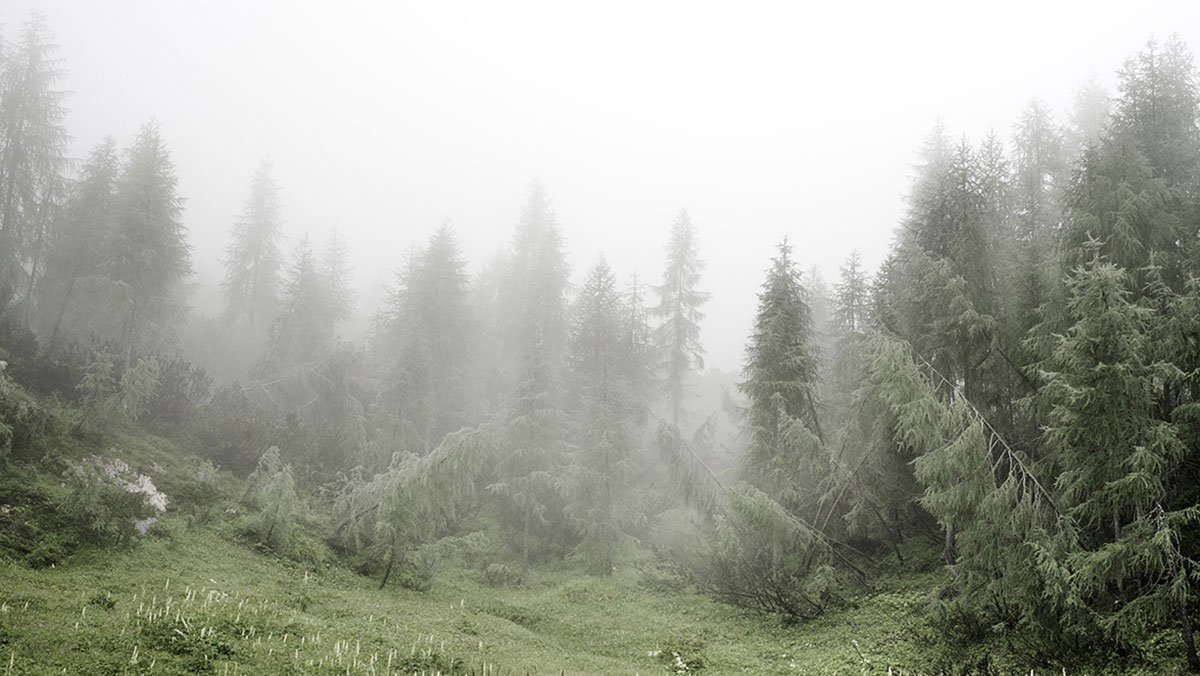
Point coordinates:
pixel 1091 109
pixel 1117 458
pixel 252 257
pixel 851 299
pixel 677 337
pixel 781 369
pixel 533 298
pixel 335 274
pixel 535 327
pixel 608 406
pixel 425 338
pixel 303 330
pixel 74 287
pixel 1040 180
pixel 1134 190
pixel 33 142
pixel 147 257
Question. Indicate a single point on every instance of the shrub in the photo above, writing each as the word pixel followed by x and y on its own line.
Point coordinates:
pixel 108 497
pixel 23 421
pixel 273 491
pixel 500 575
pixel 182 386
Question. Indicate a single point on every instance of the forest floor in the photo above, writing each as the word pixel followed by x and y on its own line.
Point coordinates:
pixel 200 601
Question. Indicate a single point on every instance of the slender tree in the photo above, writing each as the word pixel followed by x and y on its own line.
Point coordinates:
pixel 677 337
pixel 74 283
pixel 426 339
pixel 608 406
pixel 252 257
pixel 303 330
pixel 33 142
pixel 781 375
pixel 147 257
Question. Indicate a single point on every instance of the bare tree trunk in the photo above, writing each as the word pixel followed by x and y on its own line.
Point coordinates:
pixel 387 572
pixel 525 547
pixel 948 546
pixel 1185 630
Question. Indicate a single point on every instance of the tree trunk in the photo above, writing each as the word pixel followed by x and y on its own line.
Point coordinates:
pixel 387 572
pixel 62 312
pixel 948 546
pixel 1185 630
pixel 525 547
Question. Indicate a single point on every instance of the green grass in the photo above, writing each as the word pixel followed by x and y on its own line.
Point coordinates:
pixel 202 603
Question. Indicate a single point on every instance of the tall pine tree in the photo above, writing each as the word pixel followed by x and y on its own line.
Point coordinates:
pixel 252 257
pixel 677 337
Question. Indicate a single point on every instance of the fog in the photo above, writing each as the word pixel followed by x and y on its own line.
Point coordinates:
pixel 384 120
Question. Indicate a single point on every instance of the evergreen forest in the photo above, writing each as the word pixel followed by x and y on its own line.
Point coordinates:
pixel 981 456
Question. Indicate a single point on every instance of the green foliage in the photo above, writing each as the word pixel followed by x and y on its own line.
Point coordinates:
pixel 97 389
pixel 500 575
pixel 1116 458
pixel 24 423
pixel 104 502
pixel 273 490
pixel 110 395
pixel 139 385
pixel 405 516
pixel 780 377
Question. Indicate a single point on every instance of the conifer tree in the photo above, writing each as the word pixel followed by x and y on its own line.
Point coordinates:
pixel 74 286
pixel 1133 192
pixel 637 347
pixel 304 327
pixel 1040 179
pixel 273 490
pixel 677 337
pixel 781 369
pixel 535 327
pixel 252 257
pixel 1116 458
pixel 851 313
pixel 608 404
pixel 147 257
pixel 33 142
pixel 533 297
pixel 1091 109
pixel 335 274
pixel 426 336
pixel 528 471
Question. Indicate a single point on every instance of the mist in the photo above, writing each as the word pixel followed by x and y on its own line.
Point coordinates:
pixel 529 337
pixel 384 122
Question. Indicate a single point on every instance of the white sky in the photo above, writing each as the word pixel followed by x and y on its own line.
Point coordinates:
pixel 761 119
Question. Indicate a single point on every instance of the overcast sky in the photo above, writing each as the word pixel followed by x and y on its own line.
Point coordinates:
pixel 762 119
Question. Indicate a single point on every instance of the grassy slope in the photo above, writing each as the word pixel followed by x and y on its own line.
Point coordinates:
pixel 200 600
pixel 164 593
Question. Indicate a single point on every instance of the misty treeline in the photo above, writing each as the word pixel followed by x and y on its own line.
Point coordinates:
pixel 1014 394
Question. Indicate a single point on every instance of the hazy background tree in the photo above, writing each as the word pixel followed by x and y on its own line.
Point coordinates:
pixel 72 295
pixel 33 141
pixel 252 257
pixel 147 257
pixel 677 336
